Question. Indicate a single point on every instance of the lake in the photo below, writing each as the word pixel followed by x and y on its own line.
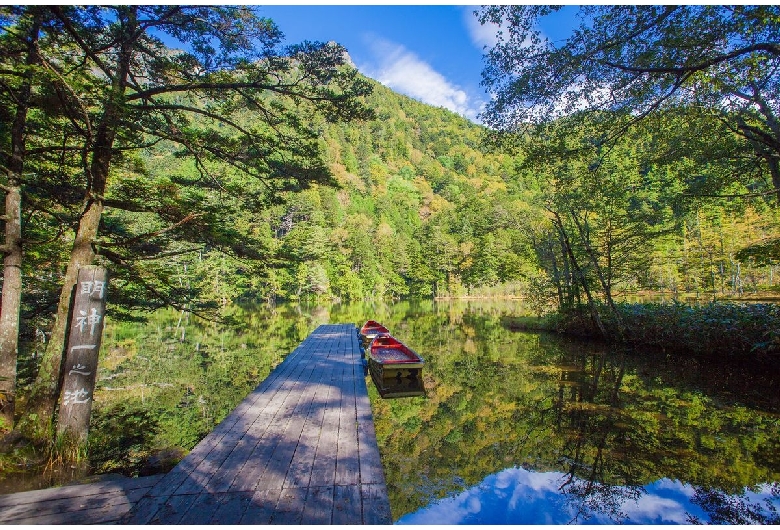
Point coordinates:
pixel 515 427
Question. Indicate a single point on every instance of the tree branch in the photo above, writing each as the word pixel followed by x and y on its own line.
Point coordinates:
pixel 769 47
pixel 150 235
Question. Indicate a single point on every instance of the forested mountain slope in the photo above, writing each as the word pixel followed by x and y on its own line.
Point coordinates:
pixel 423 208
pixel 418 206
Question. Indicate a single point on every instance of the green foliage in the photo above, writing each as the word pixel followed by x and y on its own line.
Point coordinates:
pixel 167 383
pixel 640 61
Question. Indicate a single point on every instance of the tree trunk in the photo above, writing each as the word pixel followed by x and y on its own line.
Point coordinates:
pixel 605 285
pixel 12 263
pixel 583 281
pixel 774 169
pixel 556 273
pixel 571 291
pixel 11 300
pixel 37 422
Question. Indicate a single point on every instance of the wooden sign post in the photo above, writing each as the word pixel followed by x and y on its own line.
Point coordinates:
pixel 81 358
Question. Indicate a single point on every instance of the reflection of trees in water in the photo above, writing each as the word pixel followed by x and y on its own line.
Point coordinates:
pixel 166 383
pixel 589 484
pixel 736 509
pixel 590 497
pixel 590 420
pixel 611 423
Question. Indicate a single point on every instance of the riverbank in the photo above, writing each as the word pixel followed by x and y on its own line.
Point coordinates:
pixel 721 330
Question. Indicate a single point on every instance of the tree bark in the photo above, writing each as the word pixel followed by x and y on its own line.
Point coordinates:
pixel 12 262
pixel 11 300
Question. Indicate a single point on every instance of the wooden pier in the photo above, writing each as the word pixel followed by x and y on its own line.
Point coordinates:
pixel 300 449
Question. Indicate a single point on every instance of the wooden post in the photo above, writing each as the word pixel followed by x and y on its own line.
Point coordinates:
pixel 81 358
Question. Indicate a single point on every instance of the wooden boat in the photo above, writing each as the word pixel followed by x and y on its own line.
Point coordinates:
pixel 372 329
pixel 389 358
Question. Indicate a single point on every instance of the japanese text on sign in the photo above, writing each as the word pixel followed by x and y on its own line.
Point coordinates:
pixel 93 287
pixel 76 397
pixel 93 319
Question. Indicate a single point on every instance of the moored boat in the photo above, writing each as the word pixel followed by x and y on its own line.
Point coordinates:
pixel 372 329
pixel 389 358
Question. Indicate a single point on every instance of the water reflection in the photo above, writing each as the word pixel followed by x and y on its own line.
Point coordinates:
pixel 520 496
pixel 393 388
pixel 612 433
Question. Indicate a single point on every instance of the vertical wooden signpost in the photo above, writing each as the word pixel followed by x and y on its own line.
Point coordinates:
pixel 81 358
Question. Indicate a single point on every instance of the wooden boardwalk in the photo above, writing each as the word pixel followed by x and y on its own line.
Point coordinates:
pixel 300 449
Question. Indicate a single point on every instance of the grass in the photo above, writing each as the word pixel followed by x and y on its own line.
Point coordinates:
pixel 716 330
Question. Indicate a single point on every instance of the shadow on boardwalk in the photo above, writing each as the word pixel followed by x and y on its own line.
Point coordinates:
pixel 102 502
pixel 300 449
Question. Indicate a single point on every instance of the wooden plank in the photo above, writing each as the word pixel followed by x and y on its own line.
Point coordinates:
pixel 208 467
pixel 278 465
pixel 261 507
pixel 200 511
pixel 147 507
pixel 347 505
pixel 376 505
pixel 111 486
pixel 324 465
pixel 299 470
pixel 289 509
pixel 347 463
pixel 319 506
pixel 231 508
pixel 68 504
pixel 243 451
pixel 262 456
pixel 173 509
pixel 107 513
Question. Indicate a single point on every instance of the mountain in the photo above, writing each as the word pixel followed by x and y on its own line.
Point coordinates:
pixel 421 208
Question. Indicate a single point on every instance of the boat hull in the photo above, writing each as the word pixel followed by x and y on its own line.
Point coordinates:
pixel 385 371
pixel 389 358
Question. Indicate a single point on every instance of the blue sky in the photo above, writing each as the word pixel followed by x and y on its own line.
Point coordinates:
pixel 433 53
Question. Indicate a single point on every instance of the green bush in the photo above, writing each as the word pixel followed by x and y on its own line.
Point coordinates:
pixel 715 330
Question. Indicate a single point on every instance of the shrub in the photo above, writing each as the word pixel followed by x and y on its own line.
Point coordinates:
pixel 716 329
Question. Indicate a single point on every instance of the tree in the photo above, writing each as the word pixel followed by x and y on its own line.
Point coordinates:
pixel 638 60
pixel 14 164
pixel 21 71
pixel 150 95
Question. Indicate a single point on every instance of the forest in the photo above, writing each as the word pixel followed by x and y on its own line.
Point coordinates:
pixel 241 171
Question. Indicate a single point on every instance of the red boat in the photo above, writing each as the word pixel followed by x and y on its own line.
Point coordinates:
pixel 389 358
pixel 372 329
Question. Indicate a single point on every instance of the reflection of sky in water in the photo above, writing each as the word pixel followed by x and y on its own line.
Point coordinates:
pixel 518 496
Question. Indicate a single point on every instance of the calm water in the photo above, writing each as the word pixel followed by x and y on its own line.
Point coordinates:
pixel 515 427
pixel 529 428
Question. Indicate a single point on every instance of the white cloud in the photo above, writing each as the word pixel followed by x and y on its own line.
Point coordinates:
pixel 400 69
pixel 481 35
